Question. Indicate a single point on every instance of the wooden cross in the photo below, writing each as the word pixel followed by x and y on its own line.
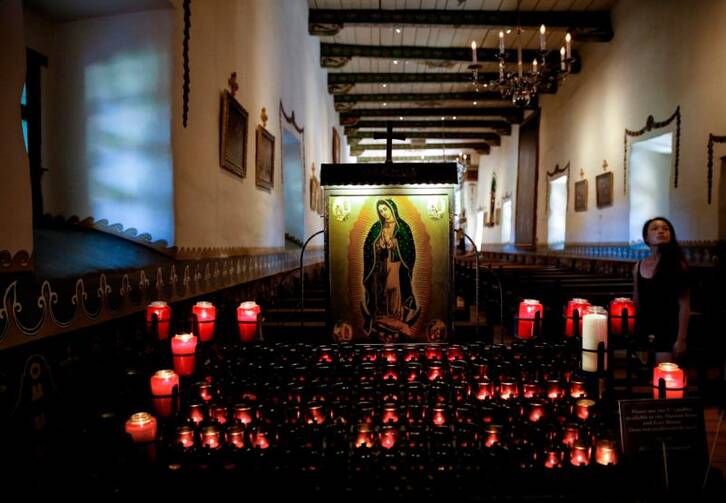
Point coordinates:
pixel 389 137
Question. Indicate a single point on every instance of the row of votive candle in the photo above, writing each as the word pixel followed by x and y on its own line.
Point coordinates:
pixel 531 309
pixel 158 317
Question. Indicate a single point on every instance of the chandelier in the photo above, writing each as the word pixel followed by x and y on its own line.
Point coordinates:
pixel 522 85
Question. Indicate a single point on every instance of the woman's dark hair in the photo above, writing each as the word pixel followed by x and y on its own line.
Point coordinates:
pixel 672 263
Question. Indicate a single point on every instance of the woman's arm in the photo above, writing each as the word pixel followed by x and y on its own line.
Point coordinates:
pixel 635 283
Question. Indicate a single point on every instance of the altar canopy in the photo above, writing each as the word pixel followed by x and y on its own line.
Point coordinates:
pixel 389 250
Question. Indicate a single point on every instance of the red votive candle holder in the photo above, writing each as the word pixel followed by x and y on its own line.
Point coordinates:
pixel 183 350
pixel 218 413
pixel 195 413
pixel 315 413
pixel 211 438
pixel 411 354
pixel 244 413
pixel 433 353
pixel 674 377
pixel 616 315
pixel 484 389
pixel 390 413
pixel 142 427
pixel 579 305
pixel 553 458
pixel 455 353
pixel 235 436
pixel 508 389
pixel 584 408
pixel 570 435
pixel 537 411
pixel 163 318
pixel 580 454
pixel 390 354
pixel 390 373
pixel 204 391
pixel 164 385
pixel 389 437
pixel 247 316
pixel 530 390
pixel 438 415
pixel 435 371
pixel 185 436
pixel 206 315
pixel 493 435
pixel 260 438
pixel 606 452
pixel 577 388
pixel 554 389
pixel 363 436
pixel 528 310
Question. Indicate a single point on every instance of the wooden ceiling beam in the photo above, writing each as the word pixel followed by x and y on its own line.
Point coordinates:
pixel 587 26
pixel 337 55
pixel 482 148
pixel 501 127
pixel 431 158
pixel 491 138
pixel 514 115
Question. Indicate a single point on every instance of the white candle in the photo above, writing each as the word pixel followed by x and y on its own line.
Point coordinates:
pixel 473 52
pixel 594 331
pixel 542 38
pixel 568 39
pixel 501 42
pixel 562 58
pixel 534 65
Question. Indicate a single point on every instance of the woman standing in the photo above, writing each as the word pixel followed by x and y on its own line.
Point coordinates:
pixel 661 287
pixel 389 256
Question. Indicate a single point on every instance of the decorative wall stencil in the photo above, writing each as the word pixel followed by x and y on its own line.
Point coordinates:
pixel 11 262
pixel 185 57
pixel 27 314
pixel 651 124
pixel 711 140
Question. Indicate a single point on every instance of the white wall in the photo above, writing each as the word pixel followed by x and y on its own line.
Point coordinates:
pixel 649 181
pixel 502 161
pixel 107 140
pixel 665 54
pixel 268 45
pixel 15 201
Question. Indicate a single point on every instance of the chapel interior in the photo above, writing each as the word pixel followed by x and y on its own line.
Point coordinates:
pixel 368 249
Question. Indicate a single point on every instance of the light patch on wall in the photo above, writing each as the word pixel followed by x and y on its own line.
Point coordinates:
pixel 650 174
pixel 507 221
pixel 557 213
pixel 128 141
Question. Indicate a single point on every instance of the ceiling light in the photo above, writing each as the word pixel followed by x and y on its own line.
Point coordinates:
pixel 442 118
pixel 395 61
pixel 398 30
pixel 475 103
pixel 385 104
pixel 454 117
pixel 509 30
pixel 400 118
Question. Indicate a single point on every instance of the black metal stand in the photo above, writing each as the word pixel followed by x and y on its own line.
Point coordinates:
pixel 476 283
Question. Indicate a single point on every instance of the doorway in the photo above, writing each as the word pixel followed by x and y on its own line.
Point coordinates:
pixel 557 213
pixel 293 182
pixel 650 164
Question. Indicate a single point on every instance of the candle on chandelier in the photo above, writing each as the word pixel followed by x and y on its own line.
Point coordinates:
pixel 162 311
pixel 247 315
pixel 473 53
pixel 568 39
pixel 164 386
pixel 501 43
pixel 528 310
pixel 542 43
pixel 575 305
pixel 562 58
pixel 534 65
pixel 594 331
pixel 183 349
pixel 142 427
pixel 206 314
pixel 617 307
pixel 606 452
pixel 674 378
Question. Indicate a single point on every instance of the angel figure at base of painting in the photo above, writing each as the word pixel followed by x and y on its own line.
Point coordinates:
pixel 389 255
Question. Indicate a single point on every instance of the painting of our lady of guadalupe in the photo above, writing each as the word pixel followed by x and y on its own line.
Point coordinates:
pixel 389 256
pixel 389 263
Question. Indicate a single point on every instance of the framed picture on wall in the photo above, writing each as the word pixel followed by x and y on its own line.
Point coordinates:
pixel 336 147
pixel 265 158
pixel 581 195
pixel 233 137
pixel 604 189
